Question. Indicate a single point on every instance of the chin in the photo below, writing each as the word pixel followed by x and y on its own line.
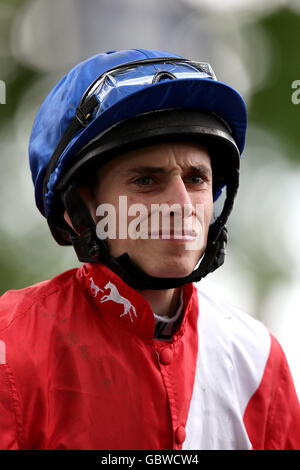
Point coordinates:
pixel 169 271
pixel 169 265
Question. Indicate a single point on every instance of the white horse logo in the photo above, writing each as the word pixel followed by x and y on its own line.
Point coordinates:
pixel 115 296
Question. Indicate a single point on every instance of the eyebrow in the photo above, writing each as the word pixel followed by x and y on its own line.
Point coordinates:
pixel 200 169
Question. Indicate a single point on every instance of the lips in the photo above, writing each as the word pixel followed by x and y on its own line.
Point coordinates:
pixel 187 235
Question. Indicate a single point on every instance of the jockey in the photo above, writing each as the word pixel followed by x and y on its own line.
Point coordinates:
pixel 129 153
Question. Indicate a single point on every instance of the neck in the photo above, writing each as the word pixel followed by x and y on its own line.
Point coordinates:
pixel 163 302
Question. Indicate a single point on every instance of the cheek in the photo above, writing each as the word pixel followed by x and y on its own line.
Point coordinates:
pixel 209 210
pixel 204 207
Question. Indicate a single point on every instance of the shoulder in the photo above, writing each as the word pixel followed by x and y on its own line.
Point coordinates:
pixel 238 344
pixel 237 325
pixel 17 302
pixel 251 367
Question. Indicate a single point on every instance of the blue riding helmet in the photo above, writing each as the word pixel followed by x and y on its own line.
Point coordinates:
pixel 59 108
pixel 96 99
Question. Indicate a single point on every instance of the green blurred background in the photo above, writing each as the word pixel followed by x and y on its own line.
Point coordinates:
pixel 252 45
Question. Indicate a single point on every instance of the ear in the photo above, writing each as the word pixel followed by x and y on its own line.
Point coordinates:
pixel 87 195
pixel 68 220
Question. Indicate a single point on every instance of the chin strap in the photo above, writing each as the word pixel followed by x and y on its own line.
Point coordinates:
pixel 214 257
pixel 89 248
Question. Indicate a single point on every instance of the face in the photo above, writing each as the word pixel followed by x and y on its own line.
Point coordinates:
pixel 165 210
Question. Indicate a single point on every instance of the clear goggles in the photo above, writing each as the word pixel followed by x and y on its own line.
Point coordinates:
pixel 123 80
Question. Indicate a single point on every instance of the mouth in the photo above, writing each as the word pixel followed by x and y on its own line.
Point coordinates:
pixel 187 236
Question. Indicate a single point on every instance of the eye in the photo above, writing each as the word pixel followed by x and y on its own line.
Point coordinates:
pixel 195 179
pixel 144 181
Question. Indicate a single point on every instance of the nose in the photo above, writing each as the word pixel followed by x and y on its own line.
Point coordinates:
pixel 177 193
pixel 178 204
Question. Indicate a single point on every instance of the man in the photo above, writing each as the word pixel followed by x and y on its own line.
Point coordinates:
pixel 128 154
